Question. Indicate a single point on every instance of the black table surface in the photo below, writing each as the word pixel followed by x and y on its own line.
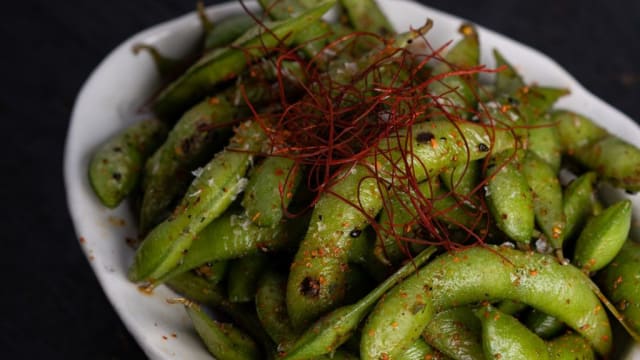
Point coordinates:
pixel 52 304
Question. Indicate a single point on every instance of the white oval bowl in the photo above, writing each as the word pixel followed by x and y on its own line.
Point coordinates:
pixel 119 86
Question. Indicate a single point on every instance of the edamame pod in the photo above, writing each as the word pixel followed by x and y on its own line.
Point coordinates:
pixel 227 30
pixel 223 341
pixel 615 161
pixel 544 141
pixel 214 271
pixel 603 237
pixel 270 190
pixel 316 283
pixel 484 274
pixel 116 166
pixel 197 136
pixel 420 350
pixel 504 337
pixel 462 180
pixel 508 81
pixel 225 63
pixel 570 346
pixel 575 130
pixel 578 200
pixel 456 333
pixel 366 15
pixel 547 198
pixel 243 277
pixel 272 309
pixel 208 197
pixel 620 283
pixel 543 325
pixel 509 197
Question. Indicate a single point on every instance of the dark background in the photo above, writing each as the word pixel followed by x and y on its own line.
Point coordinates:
pixel 51 304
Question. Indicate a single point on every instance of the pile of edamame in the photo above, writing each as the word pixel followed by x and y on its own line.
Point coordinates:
pixel 470 229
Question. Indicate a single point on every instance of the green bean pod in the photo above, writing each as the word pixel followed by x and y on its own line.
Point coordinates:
pixel 575 130
pixel 570 346
pixel 543 325
pixel 504 337
pixel 484 274
pixel 208 197
pixel 578 200
pixel 223 341
pixel 615 161
pixel 225 63
pixel 509 197
pixel 270 190
pixel 603 236
pixel 547 198
pixel 115 168
pixel 316 283
pixel 455 333
pixel 233 236
pixel 620 283
pixel 243 277
pixel 198 135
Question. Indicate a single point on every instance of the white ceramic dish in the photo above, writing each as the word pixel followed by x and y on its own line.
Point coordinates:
pixel 110 98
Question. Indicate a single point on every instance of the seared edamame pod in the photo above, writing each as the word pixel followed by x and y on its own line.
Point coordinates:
pixel 544 141
pixel 543 325
pixel 508 81
pixel 575 130
pixel 366 15
pixel 603 237
pixel 207 198
pixel 504 337
pixel 456 333
pixel 116 166
pixel 420 350
pixel 272 309
pixel 547 199
pixel 462 180
pixel 270 190
pixel 223 340
pixel 316 283
pixel 227 30
pixel 484 274
pixel 225 63
pixel 570 346
pixel 214 271
pixel 242 280
pixel 578 200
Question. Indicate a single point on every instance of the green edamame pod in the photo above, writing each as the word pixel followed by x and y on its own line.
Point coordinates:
pixel 232 236
pixel 214 272
pixel 272 309
pixel 509 197
pixel 620 283
pixel 324 250
pixel 208 197
pixel 455 92
pixel 578 200
pixel 603 237
pixel 508 81
pixel 271 187
pixel 333 329
pixel 484 274
pixel 243 277
pixel 504 337
pixel 462 180
pixel 366 15
pixel 420 350
pixel 116 166
pixel 225 63
pixel 570 346
pixel 166 66
pixel 615 161
pixel 197 136
pixel 575 130
pixel 455 333
pixel 547 198
pixel 544 141
pixel 543 325
pixel 227 30
pixel 223 341
pixel 534 102
pixel 511 307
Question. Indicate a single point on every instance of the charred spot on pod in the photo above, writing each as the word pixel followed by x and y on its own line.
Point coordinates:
pixel 310 287
pixel 483 147
pixel 117 149
pixel 513 101
pixel 116 176
pixel 355 233
pixel 424 137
